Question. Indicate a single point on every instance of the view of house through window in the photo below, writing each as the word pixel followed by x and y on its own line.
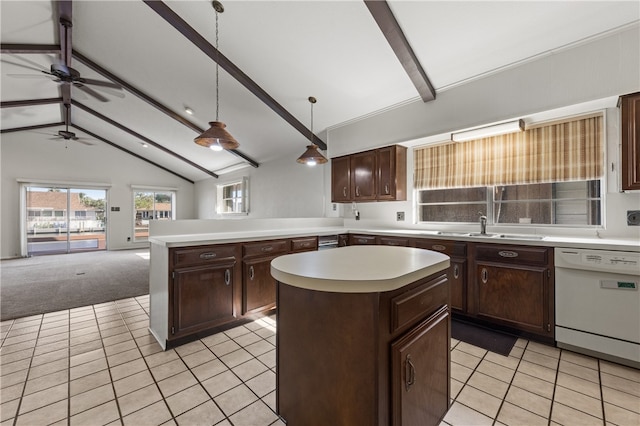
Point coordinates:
pixel 64 220
pixel 546 175
pixel 151 205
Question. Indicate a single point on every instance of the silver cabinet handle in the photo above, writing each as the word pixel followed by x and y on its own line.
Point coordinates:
pixel 209 255
pixel 344 191
pixel 362 241
pixel 508 253
pixel 227 277
pixel 456 271
pixel 484 275
pixel 267 249
pixel 409 374
pixel 438 247
pixel 251 273
pixel 386 188
pixel 357 191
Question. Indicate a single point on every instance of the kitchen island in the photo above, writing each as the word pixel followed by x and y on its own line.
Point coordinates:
pixel 363 336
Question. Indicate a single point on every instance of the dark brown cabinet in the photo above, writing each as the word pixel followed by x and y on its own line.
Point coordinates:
pixel 392 173
pixel 630 132
pixel 341 179
pixel 420 372
pixel 204 290
pixel 457 272
pixel 394 241
pixel 374 175
pixel 342 357
pixel 514 287
pixel 258 286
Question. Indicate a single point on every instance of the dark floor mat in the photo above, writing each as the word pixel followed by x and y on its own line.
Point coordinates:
pixel 484 338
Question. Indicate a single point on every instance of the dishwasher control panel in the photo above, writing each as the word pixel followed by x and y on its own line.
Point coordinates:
pixel 598 260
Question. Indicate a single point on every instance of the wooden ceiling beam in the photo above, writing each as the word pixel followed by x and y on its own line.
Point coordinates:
pixel 387 22
pixel 17 48
pixel 153 102
pixel 34 127
pixel 200 42
pixel 141 137
pixel 30 102
pixel 100 138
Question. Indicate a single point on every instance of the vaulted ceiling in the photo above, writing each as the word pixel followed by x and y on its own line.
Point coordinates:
pixel 273 55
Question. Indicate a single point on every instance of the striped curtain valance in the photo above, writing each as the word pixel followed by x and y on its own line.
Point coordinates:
pixel 567 151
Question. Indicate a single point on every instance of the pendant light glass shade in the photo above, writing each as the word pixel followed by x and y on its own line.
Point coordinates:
pixel 312 156
pixel 217 136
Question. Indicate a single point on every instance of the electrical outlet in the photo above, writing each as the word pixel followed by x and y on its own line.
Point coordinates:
pixel 400 216
pixel 128 239
pixel 633 217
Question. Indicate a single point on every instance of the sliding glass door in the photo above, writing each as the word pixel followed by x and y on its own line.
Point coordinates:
pixel 65 220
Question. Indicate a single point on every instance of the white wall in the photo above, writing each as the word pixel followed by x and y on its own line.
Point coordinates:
pixel 278 189
pixel 602 69
pixel 38 159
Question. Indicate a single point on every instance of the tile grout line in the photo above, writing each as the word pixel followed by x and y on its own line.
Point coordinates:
pixel 515 370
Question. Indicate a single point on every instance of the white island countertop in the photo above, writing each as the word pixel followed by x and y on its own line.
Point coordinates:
pixel 357 269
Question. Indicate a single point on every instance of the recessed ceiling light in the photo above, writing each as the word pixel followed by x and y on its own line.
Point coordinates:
pixel 188 110
pixel 145 145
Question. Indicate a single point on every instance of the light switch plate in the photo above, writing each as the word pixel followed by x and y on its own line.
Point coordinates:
pixel 633 217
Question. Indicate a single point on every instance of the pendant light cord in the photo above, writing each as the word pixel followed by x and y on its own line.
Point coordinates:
pixel 217 71
pixel 311 122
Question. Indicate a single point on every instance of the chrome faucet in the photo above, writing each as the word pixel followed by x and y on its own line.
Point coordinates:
pixel 483 224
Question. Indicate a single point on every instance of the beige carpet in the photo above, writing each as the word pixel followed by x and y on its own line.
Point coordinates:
pixel 44 284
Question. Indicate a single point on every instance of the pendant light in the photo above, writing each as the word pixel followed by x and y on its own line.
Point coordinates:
pixel 312 156
pixel 216 137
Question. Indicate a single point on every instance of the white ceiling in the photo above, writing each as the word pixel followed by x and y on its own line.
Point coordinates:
pixel 332 50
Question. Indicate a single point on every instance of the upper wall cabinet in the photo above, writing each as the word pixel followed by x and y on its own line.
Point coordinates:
pixel 375 175
pixel 630 128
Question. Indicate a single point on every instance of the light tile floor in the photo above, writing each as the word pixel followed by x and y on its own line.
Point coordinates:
pixel 98 365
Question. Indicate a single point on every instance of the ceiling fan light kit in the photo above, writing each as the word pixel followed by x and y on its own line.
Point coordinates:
pixel 312 156
pixel 216 137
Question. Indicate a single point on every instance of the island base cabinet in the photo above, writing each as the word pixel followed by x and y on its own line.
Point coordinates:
pixel 420 372
pixel 203 298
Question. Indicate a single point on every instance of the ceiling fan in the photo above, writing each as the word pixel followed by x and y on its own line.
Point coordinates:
pixel 67 135
pixel 61 72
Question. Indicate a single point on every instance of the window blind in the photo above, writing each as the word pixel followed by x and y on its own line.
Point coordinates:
pixel 572 150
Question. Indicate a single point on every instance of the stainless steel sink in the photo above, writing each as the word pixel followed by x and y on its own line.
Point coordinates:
pixel 480 234
pixel 453 234
pixel 521 236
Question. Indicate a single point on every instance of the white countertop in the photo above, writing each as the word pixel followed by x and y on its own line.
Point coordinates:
pixel 357 269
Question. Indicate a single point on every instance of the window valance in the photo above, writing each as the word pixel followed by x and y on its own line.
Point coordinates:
pixel 571 150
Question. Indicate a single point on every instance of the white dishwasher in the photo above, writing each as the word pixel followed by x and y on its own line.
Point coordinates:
pixel 598 303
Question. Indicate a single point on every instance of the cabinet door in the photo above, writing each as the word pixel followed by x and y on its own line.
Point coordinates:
pixel 341 179
pixel 392 173
pixel 202 297
pixel 359 240
pixel 420 372
pixel 363 176
pixel 630 128
pixel 457 276
pixel 515 295
pixel 259 287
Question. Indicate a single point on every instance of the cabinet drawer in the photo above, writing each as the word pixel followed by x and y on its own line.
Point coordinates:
pixel 450 248
pixel 266 248
pixel 393 241
pixel 304 244
pixel 513 254
pixel 189 256
pixel 355 240
pixel 418 303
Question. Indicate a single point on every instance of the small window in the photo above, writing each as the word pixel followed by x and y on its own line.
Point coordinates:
pixel 233 198
pixel 151 205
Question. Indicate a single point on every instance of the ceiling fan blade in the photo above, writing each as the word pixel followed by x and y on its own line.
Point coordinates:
pixel 84 142
pixel 100 83
pixel 27 76
pixel 22 65
pixel 91 92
